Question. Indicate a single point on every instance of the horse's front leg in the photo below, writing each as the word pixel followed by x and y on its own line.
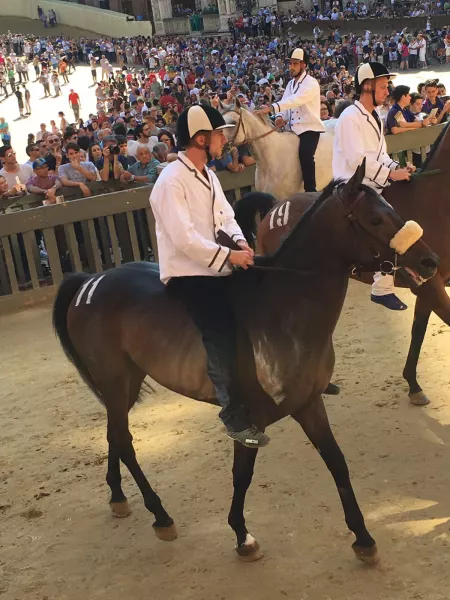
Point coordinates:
pixel 244 461
pixel 419 328
pixel 314 422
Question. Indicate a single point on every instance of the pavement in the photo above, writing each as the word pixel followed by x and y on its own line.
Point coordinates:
pixel 44 109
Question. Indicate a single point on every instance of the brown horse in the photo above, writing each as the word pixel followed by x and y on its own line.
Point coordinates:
pixel 119 326
pixel 423 199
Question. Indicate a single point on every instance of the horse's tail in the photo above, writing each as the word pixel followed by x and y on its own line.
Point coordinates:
pixel 66 293
pixel 248 208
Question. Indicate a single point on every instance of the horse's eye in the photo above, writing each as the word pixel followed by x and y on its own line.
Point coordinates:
pixel 376 221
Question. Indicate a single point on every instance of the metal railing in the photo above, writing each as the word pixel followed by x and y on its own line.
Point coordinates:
pixel 39 245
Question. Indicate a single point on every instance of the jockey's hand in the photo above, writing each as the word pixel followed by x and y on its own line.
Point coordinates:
pixel 241 258
pixel 410 168
pixel 400 175
pixel 244 246
pixel 264 110
pixel 280 122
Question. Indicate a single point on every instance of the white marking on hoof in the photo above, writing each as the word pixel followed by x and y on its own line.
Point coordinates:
pixel 249 540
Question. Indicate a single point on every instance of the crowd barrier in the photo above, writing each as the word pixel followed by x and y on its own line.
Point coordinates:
pixel 39 245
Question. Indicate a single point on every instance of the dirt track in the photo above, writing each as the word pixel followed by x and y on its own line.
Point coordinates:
pixel 59 542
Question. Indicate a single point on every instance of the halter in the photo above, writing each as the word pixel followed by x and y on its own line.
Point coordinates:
pixel 387 267
pixel 246 140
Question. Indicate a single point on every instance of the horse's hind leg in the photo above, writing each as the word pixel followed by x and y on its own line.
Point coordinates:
pixel 314 422
pixel 119 503
pixel 244 461
pixel 118 402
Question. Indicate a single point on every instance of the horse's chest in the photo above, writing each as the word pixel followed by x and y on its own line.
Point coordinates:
pixel 276 364
pixel 288 370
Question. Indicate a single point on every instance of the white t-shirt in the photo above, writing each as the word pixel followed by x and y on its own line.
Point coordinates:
pixel 24 173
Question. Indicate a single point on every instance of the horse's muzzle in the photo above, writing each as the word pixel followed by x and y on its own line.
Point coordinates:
pixel 427 268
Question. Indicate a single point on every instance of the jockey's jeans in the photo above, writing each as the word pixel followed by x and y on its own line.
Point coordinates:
pixel 307 149
pixel 207 302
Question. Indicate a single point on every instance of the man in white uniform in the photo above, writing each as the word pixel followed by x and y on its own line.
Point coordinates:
pixel 299 109
pixel 190 209
pixel 359 134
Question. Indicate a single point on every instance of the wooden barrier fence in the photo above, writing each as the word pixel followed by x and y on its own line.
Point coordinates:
pixel 38 245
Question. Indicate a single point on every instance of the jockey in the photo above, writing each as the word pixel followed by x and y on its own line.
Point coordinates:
pixel 359 133
pixel 190 210
pixel 299 109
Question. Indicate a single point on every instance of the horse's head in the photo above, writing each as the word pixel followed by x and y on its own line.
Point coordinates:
pixel 377 234
pixel 247 126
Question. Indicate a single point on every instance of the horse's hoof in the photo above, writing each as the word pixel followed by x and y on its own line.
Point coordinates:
pixel 332 390
pixel 120 510
pixel 250 550
pixel 166 534
pixel 419 399
pixel 367 555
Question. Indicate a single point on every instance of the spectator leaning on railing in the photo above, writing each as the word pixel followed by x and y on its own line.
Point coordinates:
pixel 43 183
pixel 432 104
pixel 111 164
pixel 7 192
pixel 144 171
pixel 400 118
pixel 76 173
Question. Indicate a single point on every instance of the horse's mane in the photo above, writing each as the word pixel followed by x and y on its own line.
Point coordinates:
pixel 434 147
pixel 311 211
pixel 305 218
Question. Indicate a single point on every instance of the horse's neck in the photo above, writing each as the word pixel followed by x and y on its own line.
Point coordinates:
pixel 261 147
pixel 441 155
pixel 319 243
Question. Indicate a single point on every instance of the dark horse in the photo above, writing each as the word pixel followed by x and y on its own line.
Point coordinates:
pixel 120 326
pixel 424 199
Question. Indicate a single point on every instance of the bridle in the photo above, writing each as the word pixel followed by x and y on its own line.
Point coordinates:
pixel 239 125
pixel 387 267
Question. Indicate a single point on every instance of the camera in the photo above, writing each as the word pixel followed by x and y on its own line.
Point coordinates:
pixel 114 150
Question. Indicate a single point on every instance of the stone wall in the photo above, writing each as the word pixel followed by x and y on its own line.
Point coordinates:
pixel 97 20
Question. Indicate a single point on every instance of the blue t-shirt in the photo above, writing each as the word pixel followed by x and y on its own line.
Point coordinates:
pixel 148 170
pixel 220 164
pixel 396 114
pixel 427 107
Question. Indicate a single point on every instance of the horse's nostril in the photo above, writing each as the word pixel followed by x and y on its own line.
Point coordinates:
pixel 431 262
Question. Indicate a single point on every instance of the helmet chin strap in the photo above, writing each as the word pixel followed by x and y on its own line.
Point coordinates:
pixel 373 85
pixel 204 148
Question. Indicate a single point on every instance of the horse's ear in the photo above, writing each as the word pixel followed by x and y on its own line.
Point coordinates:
pixel 237 103
pixel 353 184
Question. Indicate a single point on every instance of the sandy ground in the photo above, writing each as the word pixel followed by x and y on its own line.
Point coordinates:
pixel 58 540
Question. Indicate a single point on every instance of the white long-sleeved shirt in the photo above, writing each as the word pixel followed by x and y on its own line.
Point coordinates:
pixel 358 135
pixel 300 105
pixel 189 210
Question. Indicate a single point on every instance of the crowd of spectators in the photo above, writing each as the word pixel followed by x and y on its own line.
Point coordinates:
pixel 141 89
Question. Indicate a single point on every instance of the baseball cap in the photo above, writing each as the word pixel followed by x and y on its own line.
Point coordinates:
pixel 39 162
